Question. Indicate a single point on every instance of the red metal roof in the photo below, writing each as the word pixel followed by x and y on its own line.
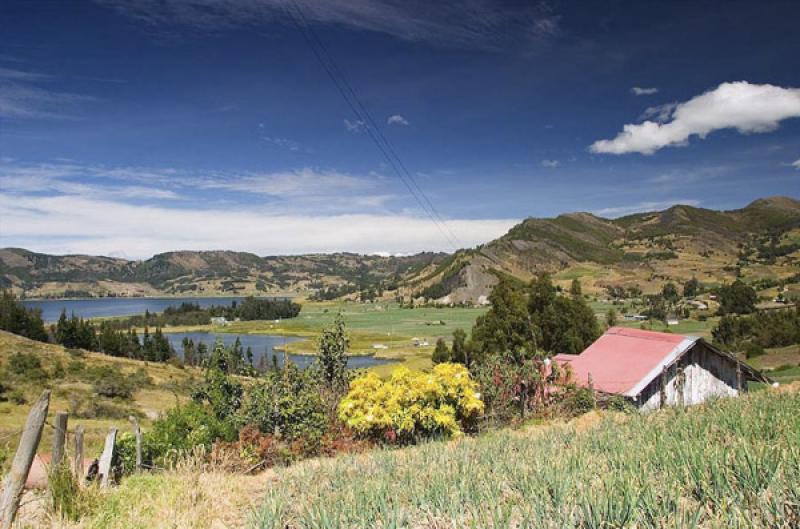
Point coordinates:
pixel 625 360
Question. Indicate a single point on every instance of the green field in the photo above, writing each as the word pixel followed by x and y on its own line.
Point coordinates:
pixel 383 324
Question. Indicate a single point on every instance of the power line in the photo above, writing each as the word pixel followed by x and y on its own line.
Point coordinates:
pixel 363 115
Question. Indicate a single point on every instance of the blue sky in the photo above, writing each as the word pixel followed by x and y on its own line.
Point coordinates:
pixel 131 127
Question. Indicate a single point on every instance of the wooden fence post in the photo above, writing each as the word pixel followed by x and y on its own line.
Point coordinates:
pixel 79 454
pixel 137 431
pixel 59 439
pixel 105 459
pixel 23 459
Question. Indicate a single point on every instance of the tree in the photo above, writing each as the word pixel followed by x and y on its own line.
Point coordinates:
pixel 460 351
pixel 611 317
pixel 670 293
pixel 656 307
pixel 506 325
pixel 222 392
pixel 737 298
pixel 16 318
pixel 575 289
pixel 441 353
pixel 332 356
pixel 691 288
pixel 565 325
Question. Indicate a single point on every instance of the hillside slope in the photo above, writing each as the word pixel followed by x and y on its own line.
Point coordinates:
pixel 672 468
pixel 760 240
pixel 644 248
pixel 199 273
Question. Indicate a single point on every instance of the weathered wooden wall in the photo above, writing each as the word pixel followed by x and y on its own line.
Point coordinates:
pixel 697 376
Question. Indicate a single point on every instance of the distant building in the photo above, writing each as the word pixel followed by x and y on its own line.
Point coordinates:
pixel 219 320
pixel 635 317
pixel 673 320
pixel 655 369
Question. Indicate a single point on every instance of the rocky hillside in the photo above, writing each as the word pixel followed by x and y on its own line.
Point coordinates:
pixel 761 239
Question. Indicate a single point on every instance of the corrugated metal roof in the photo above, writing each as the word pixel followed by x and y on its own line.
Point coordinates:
pixel 625 360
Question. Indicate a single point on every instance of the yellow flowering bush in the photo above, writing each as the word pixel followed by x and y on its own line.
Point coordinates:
pixel 412 403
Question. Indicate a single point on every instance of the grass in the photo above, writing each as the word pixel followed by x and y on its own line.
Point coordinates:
pixel 167 383
pixel 731 463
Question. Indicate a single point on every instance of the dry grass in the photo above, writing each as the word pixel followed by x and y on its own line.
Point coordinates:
pixel 190 497
pixel 150 401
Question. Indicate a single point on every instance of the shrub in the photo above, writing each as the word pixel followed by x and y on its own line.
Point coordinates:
pixel 288 403
pixel 579 400
pixel 180 429
pixel 619 403
pixel 17 397
pixel 512 388
pixel 412 404
pixel 58 370
pixel 75 367
pixel 26 365
pixel 752 349
pixel 222 393
pixel 111 383
pixel 67 498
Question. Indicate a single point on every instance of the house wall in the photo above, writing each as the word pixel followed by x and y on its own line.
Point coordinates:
pixel 697 376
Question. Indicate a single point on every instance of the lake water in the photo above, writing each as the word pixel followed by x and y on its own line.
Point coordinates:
pixel 262 345
pixel 108 307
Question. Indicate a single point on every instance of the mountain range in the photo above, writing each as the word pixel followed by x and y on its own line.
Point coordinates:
pixel 646 249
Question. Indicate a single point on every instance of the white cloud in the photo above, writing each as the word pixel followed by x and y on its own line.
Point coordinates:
pixel 70 224
pixel 746 107
pixel 642 207
pixel 397 119
pixel 478 23
pixel 796 164
pixel 299 183
pixel 19 75
pixel 305 189
pixel 23 101
pixel 354 126
pixel 638 91
pixel 50 179
pixel 552 164
pixel 283 143
pixel 22 98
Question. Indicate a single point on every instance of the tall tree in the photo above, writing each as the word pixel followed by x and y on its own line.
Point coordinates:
pixel 441 353
pixel 506 325
pixel 691 288
pixel 737 298
pixel 575 289
pixel 332 355
pixel 460 349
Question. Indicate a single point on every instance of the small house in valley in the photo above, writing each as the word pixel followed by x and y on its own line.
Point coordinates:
pixel 656 369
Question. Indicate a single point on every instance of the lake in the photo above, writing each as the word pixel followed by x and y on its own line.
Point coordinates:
pixel 262 345
pixel 109 307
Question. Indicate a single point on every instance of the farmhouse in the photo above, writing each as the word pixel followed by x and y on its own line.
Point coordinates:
pixel 655 369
